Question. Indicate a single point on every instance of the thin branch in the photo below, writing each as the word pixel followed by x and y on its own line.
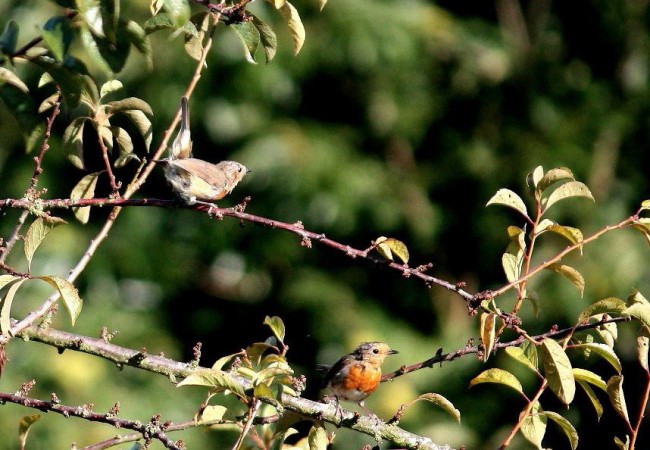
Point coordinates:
pixel 149 431
pixel 175 370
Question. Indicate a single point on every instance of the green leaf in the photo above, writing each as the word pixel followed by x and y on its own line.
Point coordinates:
pixel 518 355
pixel 85 188
pixel 267 38
pixel 587 376
pixel 498 376
pixel 9 38
pixel 441 402
pixel 317 438
pixel 125 145
pixel 218 379
pixel 533 178
pixel 595 402
pixel 508 198
pixel 543 226
pixel 567 190
pixel 511 266
pixel 6 279
pixel 69 294
pixel 35 235
pixel 263 391
pixel 566 426
pixel 256 350
pixel 23 428
pixel 570 274
pixel 294 23
pixel 249 37
pixel 558 371
pixel 91 12
pixel 219 363
pixel 488 333
pixel 554 176
pixel 71 76
pixel 609 305
pixel 276 325
pixel 178 11
pixel 533 426
pixel 617 397
pixel 57 35
pixel 622 445
pixel 5 312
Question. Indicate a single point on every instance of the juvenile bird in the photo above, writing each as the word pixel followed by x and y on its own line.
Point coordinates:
pixel 358 374
pixel 195 180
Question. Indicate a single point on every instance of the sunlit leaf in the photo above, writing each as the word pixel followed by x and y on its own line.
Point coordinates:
pixel 568 429
pixel 558 371
pixel 622 445
pixel 518 355
pixel 7 76
pixel 318 438
pixel 35 235
pixel 178 10
pixel 390 247
pixel 567 190
pixel 498 376
pixel 219 363
pixel 277 326
pixel 84 189
pixel 212 413
pixel 554 176
pixel 617 397
pixel 69 294
pixel 602 350
pixel 263 391
pixel 610 305
pixel 532 179
pixel 441 402
pixel 109 87
pixel 508 198
pixel 573 235
pixel 294 23
pixel 73 143
pixel 533 426
pixel 590 377
pixel 126 104
pixel 595 402
pixel 5 312
pixel 124 144
pixel 91 12
pixel 511 266
pixel 642 346
pixel 23 428
pixel 488 333
pixel 638 307
pixel 570 274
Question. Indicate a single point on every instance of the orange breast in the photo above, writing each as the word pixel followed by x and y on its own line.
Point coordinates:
pixel 362 378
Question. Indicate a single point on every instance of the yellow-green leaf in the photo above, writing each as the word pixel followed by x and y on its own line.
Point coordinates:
pixel 518 355
pixel 533 426
pixel 622 445
pixel 638 307
pixel 610 305
pixel 73 143
pixel 85 188
pixel 554 176
pixel 573 235
pixel 595 402
pixel 642 346
pixel 212 413
pixel 498 376
pixel 488 333
pixel 533 178
pixel 567 190
pixel 508 198
pixel 6 279
pixel 318 438
pixel 294 23
pixel 441 402
pixel 603 350
pixel 69 294
pixel 511 266
pixel 570 274
pixel 389 247
pixel 35 235
pixel 5 312
pixel 23 428
pixel 558 371
pixel 566 426
pixel 590 377
pixel 617 398
pixel 277 326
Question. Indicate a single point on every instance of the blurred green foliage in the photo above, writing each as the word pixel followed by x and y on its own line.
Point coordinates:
pixel 398 119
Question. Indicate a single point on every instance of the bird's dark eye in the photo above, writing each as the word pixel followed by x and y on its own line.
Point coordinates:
pixel 375 351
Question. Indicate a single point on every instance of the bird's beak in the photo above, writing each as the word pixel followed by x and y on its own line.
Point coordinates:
pixel 392 352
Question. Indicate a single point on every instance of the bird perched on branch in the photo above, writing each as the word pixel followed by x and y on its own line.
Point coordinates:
pixel 357 375
pixel 195 180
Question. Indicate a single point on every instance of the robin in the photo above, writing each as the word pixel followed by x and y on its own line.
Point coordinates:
pixel 358 374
